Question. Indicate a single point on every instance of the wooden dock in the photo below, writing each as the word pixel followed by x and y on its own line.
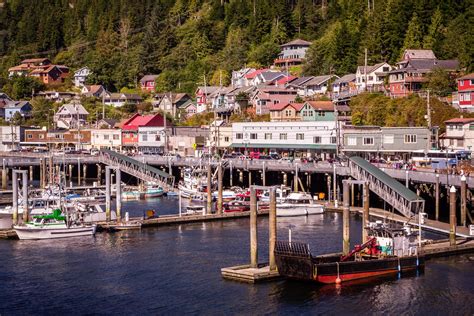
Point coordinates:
pixel 247 274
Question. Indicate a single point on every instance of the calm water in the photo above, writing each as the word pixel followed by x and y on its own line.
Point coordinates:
pixel 176 270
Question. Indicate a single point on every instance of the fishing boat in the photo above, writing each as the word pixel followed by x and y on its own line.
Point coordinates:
pixel 242 203
pixel 388 251
pixel 281 194
pixel 227 195
pixel 299 204
pixel 131 195
pixel 52 226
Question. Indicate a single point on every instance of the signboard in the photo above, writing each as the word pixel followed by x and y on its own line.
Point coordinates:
pixel 471 230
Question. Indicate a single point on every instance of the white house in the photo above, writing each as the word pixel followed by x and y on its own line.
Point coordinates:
pixel 301 138
pixel 310 86
pixel 119 99
pixel 71 115
pixel 9 133
pixel 80 76
pixel 106 139
pixel 239 78
pixel 375 77
pixel 151 139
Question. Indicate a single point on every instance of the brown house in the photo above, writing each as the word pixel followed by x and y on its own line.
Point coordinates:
pixel 58 138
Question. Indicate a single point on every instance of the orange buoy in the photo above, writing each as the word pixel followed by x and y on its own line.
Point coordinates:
pixel 338 280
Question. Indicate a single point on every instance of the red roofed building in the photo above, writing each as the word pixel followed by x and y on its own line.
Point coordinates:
pixel 263 98
pixel 465 95
pixel 130 128
pixel 42 69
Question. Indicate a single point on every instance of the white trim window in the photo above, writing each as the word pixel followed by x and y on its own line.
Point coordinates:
pixel 368 141
pixel 410 139
pixel 283 136
pixel 317 140
pixel 299 136
pixel 352 141
pixel 388 139
pixel 268 135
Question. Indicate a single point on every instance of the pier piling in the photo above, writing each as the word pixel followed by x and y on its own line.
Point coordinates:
pixel 365 217
pixel 107 193
pixel 285 179
pixel 463 201
pixel 345 218
pixel 253 229
pixel 231 174
pixel 4 177
pixel 250 177
pixel 264 178
pixel 452 216
pixel 118 194
pixel 70 172
pixel 437 197
pixel 209 189
pixel 43 173
pixel 84 173
pixel 272 229
pixel 25 195
pixel 15 197
pixel 99 174
pixel 31 173
pixel 79 172
pixel 219 188
pixel 296 177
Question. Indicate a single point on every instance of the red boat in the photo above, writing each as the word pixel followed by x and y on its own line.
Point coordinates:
pixel 373 259
pixel 242 203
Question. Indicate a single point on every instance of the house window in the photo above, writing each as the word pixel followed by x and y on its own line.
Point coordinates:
pixel 472 82
pixel 368 141
pixel 371 77
pixel 29 136
pixel 239 136
pixel 299 136
pixel 41 136
pixel 106 137
pixel 388 139
pixel 116 137
pixel 317 139
pixel 287 113
pixel 144 137
pixel 268 135
pixel 283 136
pixel 385 69
pixel 460 143
pixel 410 139
pixel 157 138
pixel 333 140
pixel 467 97
pixel 461 83
pixel 352 141
pixel 226 139
pixel 253 136
pixel 321 113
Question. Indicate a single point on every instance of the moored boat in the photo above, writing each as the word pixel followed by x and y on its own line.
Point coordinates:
pixel 299 204
pixel 52 226
pixel 387 252
pixel 152 191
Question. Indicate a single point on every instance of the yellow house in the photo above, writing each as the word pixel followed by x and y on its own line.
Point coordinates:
pixel 285 112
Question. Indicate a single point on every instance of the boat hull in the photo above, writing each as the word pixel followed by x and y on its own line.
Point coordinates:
pixel 27 233
pixel 299 264
pixel 299 210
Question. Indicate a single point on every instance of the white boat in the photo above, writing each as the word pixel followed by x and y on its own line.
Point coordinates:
pixel 194 210
pixel 281 194
pixel 299 204
pixel 52 226
pixel 227 195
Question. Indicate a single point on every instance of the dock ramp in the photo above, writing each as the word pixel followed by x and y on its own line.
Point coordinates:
pixel 137 169
pixel 393 192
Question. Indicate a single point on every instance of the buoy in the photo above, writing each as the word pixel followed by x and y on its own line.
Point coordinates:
pixel 338 281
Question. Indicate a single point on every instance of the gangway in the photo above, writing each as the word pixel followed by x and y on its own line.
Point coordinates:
pixel 393 192
pixel 137 169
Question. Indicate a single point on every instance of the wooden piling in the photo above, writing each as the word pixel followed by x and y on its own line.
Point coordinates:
pixel 79 172
pixel 272 229
pixel 231 174
pixel 463 201
pixel 352 195
pixel 99 174
pixel 31 173
pixel 25 195
pixel 365 217
pixel 118 194
pixel 219 188
pixel 51 170
pixel 84 173
pixel 15 197
pixel 253 229
pixel 250 177
pixel 209 189
pixel 329 187
pixel 70 172
pixel 4 178
pixel 285 179
pixel 437 197
pixel 452 216
pixel 264 177
pixel 296 178
pixel 406 178
pixel 107 193
pixel 43 173
pixel 345 218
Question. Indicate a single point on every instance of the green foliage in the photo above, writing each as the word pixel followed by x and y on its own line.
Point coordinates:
pixel 414 34
pixel 21 87
pixel 129 108
pixel 379 110
pixel 440 82
pixel 42 113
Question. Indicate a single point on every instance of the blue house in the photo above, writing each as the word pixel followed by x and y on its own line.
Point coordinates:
pixel 12 107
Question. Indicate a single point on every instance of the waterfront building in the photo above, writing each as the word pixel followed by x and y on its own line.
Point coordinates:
pixel 58 138
pixel 151 139
pixel 459 134
pixel 130 130
pixel 106 138
pixel 187 140
pixel 264 97
pixel 11 137
pixel 302 138
pixel 384 142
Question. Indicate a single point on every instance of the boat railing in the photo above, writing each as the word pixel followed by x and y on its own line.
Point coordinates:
pixel 293 249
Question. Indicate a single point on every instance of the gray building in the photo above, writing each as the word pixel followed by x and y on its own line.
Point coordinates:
pixel 384 142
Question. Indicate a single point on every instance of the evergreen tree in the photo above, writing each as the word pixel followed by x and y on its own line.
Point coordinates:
pixel 414 34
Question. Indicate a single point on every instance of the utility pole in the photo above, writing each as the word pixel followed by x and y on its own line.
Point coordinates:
pixel 103 105
pixel 365 69
pixel 428 119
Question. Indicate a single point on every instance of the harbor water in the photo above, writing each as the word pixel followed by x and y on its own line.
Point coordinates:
pixel 176 270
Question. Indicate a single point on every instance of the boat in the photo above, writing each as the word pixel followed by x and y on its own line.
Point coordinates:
pixel 194 210
pixel 227 195
pixel 152 191
pixel 52 226
pixel 128 225
pixel 194 184
pixel 281 194
pixel 299 204
pixel 131 195
pixel 388 251
pixel 242 204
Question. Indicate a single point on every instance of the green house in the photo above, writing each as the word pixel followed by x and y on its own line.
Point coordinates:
pixel 317 111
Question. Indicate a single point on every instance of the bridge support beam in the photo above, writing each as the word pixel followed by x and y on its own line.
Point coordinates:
pixel 452 216
pixel 463 201
pixel 345 218
pixel 253 229
pixel 118 195
pixel 272 229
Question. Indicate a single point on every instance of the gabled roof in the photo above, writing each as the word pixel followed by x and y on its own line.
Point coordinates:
pixel 4 96
pixel 282 106
pixel 16 104
pixel 187 104
pixel 285 79
pixel 138 120
pixel 208 89
pixel 345 78
pixel 370 69
pixel 427 65
pixel 81 69
pixel 300 81
pixel 321 105
pixel 73 109
pixel 318 80
pixel 297 42
pixel 35 60
pixel 460 120
pixel 147 78
pixel 125 96
pixel 419 54
pixel 468 76
pixel 271 75
pixel 255 73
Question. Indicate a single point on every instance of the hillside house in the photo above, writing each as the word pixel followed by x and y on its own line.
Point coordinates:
pixel 71 115
pixel 96 91
pixel 372 78
pixel 119 99
pixel 265 97
pixel 464 98
pixel 80 76
pixel 311 86
pixel 292 53
pixel 170 102
pixel 147 83
pixel 285 112
pixel 202 97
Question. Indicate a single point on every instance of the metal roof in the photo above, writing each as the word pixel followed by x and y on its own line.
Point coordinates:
pixel 385 178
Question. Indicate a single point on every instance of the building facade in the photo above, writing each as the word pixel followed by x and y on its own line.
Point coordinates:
pixel 106 139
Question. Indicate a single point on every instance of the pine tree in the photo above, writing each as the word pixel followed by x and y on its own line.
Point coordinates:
pixel 435 31
pixel 414 34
